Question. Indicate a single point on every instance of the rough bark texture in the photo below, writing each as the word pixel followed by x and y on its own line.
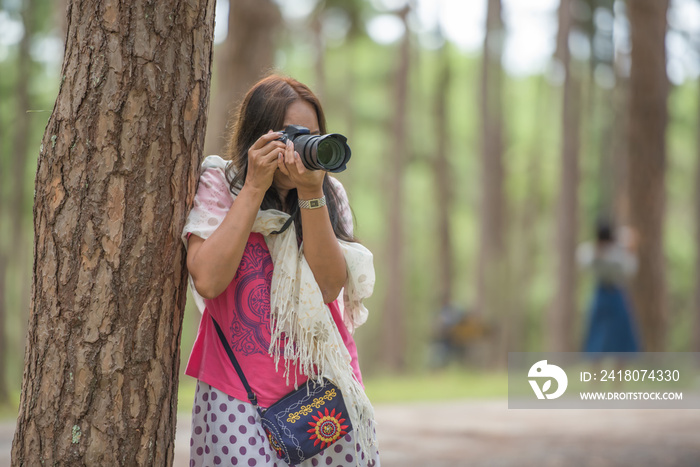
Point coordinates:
pixel 564 309
pixel 393 338
pixel 116 174
pixel 247 54
pixel 492 273
pixel 648 116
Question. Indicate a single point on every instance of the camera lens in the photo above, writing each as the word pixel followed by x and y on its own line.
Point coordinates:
pixel 329 152
pixel 319 152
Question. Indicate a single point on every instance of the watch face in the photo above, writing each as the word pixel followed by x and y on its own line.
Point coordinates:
pixel 314 203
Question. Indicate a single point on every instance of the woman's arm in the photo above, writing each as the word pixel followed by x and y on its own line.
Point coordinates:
pixel 321 248
pixel 213 262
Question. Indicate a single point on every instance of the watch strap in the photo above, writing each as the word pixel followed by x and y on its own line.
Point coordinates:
pixel 313 203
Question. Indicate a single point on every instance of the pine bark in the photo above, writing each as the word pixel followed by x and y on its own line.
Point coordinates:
pixel 116 174
pixel 648 117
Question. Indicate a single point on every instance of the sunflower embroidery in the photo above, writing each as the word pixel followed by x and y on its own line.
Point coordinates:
pixel 327 428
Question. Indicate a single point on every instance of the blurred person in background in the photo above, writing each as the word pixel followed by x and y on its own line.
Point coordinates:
pixel 611 325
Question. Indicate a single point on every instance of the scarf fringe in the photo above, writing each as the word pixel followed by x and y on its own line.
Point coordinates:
pixel 311 341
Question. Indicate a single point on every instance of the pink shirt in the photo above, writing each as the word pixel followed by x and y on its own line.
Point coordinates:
pixel 243 313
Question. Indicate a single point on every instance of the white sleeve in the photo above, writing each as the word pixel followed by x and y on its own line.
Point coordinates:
pixel 211 203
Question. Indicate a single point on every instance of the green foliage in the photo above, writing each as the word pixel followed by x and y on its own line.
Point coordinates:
pixel 451 384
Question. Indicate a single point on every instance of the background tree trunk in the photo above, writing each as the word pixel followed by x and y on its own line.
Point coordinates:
pixel 116 173
pixel 564 308
pixel 443 182
pixel 620 132
pixel 492 279
pixel 319 52
pixel 393 326
pixel 524 234
pixel 648 117
pixel 4 391
pixel 247 54
pixel 14 258
pixel 695 338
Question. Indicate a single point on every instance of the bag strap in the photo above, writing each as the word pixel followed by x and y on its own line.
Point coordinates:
pixel 251 395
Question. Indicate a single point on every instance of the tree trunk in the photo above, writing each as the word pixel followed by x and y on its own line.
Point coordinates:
pixel 393 338
pixel 319 52
pixel 19 256
pixel 16 180
pixel 443 182
pixel 564 309
pixel 524 235
pixel 492 278
pixel 247 54
pixel 4 391
pixel 695 338
pixel 648 117
pixel 116 174
pixel 620 133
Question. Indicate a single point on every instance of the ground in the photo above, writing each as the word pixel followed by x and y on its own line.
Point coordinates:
pixel 487 433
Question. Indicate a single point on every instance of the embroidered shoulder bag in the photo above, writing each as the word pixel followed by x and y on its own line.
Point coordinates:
pixel 302 423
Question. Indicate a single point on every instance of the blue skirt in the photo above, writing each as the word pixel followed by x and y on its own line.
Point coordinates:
pixel 610 326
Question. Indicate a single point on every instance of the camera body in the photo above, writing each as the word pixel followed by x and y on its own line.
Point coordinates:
pixel 292 131
pixel 318 152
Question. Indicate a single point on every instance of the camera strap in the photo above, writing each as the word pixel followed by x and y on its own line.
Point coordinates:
pixel 284 227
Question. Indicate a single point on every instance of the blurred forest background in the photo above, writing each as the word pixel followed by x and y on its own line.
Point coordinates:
pixel 487 136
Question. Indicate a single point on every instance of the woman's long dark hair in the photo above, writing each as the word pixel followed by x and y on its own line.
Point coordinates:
pixel 264 109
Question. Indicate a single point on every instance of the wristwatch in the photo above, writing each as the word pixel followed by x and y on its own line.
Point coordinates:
pixel 314 203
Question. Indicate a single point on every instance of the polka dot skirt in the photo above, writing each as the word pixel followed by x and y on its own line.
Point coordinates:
pixel 227 431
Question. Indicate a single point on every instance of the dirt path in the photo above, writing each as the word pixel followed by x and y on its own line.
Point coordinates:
pixel 486 433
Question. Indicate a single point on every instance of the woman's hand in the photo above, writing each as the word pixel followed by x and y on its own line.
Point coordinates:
pixel 309 183
pixel 263 157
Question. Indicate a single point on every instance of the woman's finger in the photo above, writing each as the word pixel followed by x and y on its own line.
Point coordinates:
pixel 270 152
pixel 266 138
pixel 300 165
pixel 289 153
pixel 281 165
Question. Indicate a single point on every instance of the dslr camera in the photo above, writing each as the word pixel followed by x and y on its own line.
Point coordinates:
pixel 318 152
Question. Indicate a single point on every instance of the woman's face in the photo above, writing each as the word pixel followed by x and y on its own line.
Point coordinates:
pixel 301 113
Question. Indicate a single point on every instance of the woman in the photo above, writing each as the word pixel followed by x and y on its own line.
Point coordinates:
pixel 278 308
pixel 611 326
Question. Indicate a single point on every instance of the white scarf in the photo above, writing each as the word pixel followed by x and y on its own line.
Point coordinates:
pixel 298 311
